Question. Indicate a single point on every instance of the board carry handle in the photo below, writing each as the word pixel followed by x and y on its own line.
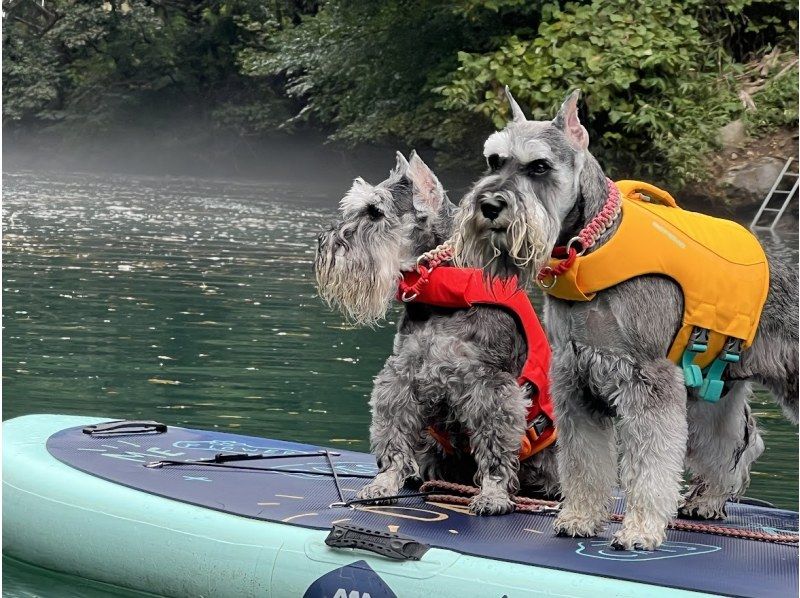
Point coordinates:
pixel 125 427
pixel 393 546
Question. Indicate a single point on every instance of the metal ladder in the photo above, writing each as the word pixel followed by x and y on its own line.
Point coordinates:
pixel 775 191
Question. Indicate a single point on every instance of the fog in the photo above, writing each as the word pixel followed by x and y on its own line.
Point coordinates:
pixel 193 150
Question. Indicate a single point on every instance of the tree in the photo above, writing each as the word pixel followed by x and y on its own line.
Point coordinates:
pixel 659 76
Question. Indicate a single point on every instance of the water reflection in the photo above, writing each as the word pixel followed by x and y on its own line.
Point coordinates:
pixel 192 302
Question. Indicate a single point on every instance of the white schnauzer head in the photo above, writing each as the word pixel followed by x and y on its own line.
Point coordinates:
pixel 382 230
pixel 511 218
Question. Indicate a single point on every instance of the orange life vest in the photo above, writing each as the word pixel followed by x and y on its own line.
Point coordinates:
pixel 719 265
pixel 462 288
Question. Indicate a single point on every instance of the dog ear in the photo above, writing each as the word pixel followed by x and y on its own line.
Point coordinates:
pixel 428 191
pixel 567 120
pixel 357 196
pixel 517 115
pixel 400 168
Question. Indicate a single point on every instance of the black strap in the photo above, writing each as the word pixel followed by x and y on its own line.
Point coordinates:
pixel 540 423
pixel 335 477
pixel 393 546
pixel 232 457
pixel 202 463
pixel 385 499
pixel 126 427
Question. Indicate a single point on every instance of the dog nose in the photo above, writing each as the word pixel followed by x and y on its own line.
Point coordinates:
pixel 491 208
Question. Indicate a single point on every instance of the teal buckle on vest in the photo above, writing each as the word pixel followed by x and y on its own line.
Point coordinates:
pixel 732 350
pixel 712 387
pixel 698 343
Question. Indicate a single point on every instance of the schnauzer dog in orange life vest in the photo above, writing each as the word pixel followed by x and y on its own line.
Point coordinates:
pixel 464 394
pixel 659 319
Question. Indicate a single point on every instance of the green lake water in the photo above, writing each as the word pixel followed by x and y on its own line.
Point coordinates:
pixel 192 302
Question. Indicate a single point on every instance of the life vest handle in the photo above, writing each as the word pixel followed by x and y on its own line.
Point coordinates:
pixel 630 189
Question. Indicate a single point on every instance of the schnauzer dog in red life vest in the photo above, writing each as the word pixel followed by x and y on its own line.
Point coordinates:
pixel 659 319
pixel 464 394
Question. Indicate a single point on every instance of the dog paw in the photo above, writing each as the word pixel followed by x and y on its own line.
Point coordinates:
pixel 491 504
pixel 375 492
pixel 633 539
pixel 576 525
pixel 703 510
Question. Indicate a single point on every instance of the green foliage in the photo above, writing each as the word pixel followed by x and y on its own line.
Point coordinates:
pixel 92 65
pixel 478 8
pixel 362 68
pixel 31 80
pixel 743 27
pixel 655 87
pixel 659 77
pixel 776 104
pixel 81 60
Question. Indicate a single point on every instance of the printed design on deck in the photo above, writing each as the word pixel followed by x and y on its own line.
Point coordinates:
pixel 764 523
pixel 601 549
pixel 319 465
pixel 231 446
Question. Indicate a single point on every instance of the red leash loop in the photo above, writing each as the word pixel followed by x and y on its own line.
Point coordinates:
pixel 409 292
pixel 553 272
pixel 435 259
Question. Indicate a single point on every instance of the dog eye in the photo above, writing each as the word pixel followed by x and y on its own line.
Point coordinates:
pixel 538 167
pixel 374 212
pixel 495 162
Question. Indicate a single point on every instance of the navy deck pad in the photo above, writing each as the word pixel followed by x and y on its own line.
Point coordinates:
pixel 688 560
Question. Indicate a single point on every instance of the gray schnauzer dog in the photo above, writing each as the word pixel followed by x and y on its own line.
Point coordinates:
pixel 453 368
pixel 608 363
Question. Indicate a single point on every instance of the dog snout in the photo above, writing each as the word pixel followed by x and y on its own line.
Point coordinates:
pixel 491 207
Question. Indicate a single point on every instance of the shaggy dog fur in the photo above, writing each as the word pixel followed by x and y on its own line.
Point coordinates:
pixel 609 365
pixel 453 368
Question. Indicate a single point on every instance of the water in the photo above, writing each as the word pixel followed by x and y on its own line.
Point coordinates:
pixel 192 302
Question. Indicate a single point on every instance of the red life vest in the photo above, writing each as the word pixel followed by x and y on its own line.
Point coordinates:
pixel 461 288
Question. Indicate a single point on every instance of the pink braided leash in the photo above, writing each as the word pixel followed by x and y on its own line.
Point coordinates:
pixel 587 237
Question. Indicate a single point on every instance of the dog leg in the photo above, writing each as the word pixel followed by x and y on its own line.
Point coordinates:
pixel 785 390
pixel 586 453
pixel 538 476
pixel 773 357
pixel 772 360
pixel 397 423
pixel 651 405
pixel 495 414
pixel 587 469
pixel 723 444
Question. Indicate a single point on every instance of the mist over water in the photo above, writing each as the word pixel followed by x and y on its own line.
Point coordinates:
pixel 191 301
pixel 190 149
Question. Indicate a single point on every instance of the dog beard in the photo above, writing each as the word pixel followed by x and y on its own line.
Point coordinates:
pixel 360 277
pixel 524 245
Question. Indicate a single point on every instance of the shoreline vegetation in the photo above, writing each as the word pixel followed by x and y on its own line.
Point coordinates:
pixel 318 85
